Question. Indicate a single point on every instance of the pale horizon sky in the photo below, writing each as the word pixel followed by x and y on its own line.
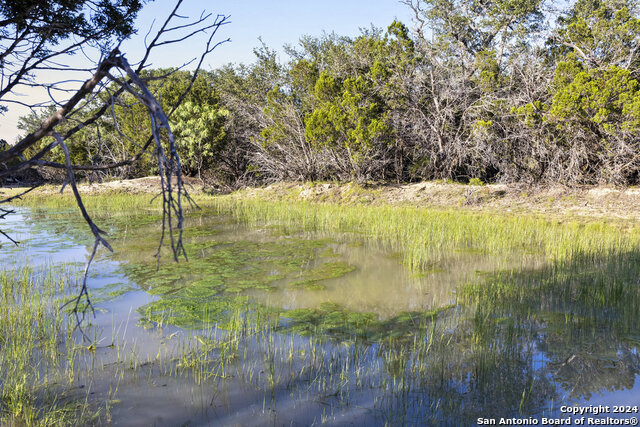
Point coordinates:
pixel 277 22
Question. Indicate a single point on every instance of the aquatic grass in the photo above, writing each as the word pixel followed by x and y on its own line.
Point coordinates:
pixel 422 235
pixel 113 202
pixel 426 236
pixel 35 350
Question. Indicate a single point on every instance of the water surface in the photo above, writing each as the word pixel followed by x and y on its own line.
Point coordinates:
pixel 340 331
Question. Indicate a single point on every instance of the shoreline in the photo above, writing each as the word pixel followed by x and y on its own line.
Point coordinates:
pixel 593 202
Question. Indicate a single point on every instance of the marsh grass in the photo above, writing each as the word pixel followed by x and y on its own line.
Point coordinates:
pixel 424 237
pixel 112 202
pixel 421 236
pixel 37 351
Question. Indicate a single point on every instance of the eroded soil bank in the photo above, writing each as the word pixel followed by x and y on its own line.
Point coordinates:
pixel 589 201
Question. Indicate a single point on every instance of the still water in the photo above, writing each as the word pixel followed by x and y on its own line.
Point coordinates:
pixel 267 325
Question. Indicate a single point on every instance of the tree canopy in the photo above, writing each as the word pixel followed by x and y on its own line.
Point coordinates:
pixel 38 35
pixel 506 91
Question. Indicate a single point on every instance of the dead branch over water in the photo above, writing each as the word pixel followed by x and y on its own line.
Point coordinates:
pixel 25 60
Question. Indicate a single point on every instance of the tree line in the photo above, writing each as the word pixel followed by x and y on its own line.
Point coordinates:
pixel 495 90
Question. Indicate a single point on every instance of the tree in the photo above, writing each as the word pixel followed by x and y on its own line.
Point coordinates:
pixel 243 92
pixel 200 128
pixel 596 92
pixel 38 36
pixel 333 110
pixel 464 29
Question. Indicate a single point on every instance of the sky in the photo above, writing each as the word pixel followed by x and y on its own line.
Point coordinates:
pixel 277 22
pixel 280 22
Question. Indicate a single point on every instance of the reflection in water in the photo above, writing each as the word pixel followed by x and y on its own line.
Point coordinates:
pixel 474 335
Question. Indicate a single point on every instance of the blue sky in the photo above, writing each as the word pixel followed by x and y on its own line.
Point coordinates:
pixel 278 22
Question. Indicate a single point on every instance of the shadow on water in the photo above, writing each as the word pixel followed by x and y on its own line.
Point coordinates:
pixel 333 328
pixel 580 314
pixel 517 344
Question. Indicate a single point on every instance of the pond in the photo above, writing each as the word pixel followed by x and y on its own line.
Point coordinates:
pixel 271 323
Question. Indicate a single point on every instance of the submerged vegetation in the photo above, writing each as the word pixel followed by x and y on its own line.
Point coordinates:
pixel 536 312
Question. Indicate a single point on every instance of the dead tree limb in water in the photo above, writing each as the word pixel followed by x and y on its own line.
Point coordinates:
pixel 30 47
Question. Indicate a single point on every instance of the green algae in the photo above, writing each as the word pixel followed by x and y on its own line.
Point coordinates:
pixel 233 266
pixel 221 274
pixel 98 296
pixel 332 321
pixel 309 279
pixel 115 290
pixel 191 313
pixel 329 252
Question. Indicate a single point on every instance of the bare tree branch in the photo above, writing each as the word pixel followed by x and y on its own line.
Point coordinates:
pixel 20 156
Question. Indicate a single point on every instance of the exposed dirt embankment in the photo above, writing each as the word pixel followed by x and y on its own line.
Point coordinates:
pixel 149 184
pixel 608 202
pixel 598 202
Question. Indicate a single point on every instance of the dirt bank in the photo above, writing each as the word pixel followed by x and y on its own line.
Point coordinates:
pixel 623 203
pixel 597 202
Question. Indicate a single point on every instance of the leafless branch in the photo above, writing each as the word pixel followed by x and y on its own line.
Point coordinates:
pixel 20 156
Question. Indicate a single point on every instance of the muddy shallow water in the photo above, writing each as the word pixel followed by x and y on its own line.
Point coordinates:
pixel 267 325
